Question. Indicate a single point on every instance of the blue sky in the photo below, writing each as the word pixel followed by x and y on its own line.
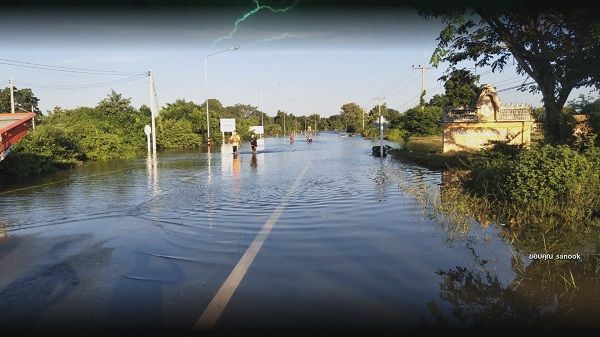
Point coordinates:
pixel 315 60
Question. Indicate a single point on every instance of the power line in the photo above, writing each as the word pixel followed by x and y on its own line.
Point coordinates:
pixel 395 84
pixel 405 86
pixel 516 86
pixel 407 102
pixel 83 86
pixel 31 65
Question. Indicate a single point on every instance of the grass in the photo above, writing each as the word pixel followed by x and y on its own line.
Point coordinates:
pixel 425 144
pixel 427 151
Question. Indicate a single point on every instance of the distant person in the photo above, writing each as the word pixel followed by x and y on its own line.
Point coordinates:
pixel 235 141
pixel 309 135
pixel 253 143
pixel 292 137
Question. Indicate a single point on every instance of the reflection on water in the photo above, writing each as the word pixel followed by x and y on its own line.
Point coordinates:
pixel 236 166
pixel 152 169
pixel 2 229
pixel 548 294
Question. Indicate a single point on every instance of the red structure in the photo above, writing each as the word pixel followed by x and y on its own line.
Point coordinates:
pixel 13 127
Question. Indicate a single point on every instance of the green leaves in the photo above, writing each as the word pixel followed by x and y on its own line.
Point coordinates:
pixel 557 46
pixel 549 186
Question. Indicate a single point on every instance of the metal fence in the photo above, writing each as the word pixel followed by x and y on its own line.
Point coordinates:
pixel 515 113
pixel 460 115
pixel 505 113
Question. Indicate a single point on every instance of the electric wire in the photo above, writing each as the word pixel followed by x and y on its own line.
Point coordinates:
pixel 31 65
pixel 81 86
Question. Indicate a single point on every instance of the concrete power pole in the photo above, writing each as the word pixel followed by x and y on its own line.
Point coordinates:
pixel 12 96
pixel 153 111
pixel 422 78
pixel 379 100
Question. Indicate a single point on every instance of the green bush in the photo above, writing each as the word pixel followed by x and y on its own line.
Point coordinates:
pixel 423 121
pixel 549 186
pixel 177 134
pixel 43 150
pixel 395 134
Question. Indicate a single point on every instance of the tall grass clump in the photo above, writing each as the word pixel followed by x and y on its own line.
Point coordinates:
pixel 549 187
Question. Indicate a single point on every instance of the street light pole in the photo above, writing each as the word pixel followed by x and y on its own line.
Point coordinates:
pixel 206 88
pixel 236 47
pixel 12 96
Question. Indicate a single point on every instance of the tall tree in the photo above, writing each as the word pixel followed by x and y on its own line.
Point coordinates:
pixel 461 88
pixel 24 100
pixel 352 115
pixel 558 46
pixel 115 105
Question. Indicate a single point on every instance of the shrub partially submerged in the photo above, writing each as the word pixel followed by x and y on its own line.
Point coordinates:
pixel 549 186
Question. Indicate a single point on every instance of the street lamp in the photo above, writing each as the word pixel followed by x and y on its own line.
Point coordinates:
pixel 236 47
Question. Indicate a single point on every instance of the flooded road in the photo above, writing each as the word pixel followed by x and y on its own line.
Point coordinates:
pixel 148 244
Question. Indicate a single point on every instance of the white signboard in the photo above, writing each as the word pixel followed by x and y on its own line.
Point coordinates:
pixel 227 124
pixel 259 130
pixel 386 123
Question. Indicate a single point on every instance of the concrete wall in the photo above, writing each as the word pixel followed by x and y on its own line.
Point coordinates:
pixel 461 136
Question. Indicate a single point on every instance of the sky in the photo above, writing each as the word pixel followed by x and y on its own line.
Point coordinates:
pixel 305 59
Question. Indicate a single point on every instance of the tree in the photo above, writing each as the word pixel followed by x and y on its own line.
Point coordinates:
pixel 352 115
pixel 461 88
pixel 424 120
pixel 115 106
pixel 559 48
pixel 24 100
pixel 441 101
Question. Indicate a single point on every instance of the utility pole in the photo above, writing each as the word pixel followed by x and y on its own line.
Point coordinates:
pixel 379 100
pixel 12 96
pixel 153 110
pixel 363 119
pixel 422 78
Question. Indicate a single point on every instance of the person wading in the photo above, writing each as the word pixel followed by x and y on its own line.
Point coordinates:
pixel 253 143
pixel 235 141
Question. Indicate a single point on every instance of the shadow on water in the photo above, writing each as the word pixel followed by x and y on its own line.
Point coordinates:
pixel 24 300
pixel 137 300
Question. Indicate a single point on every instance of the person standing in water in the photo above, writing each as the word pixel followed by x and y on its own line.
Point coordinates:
pixel 309 135
pixel 253 143
pixel 235 141
pixel 292 136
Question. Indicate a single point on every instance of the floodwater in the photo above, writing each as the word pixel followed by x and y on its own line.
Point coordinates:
pixel 147 244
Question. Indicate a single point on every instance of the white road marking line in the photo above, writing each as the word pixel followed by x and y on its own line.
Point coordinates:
pixel 215 308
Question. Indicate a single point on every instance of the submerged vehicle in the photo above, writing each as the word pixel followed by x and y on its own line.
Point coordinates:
pixel 377 152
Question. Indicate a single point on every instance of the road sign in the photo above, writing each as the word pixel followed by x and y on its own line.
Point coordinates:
pixel 259 130
pixel 147 130
pixel 227 124
pixel 386 123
